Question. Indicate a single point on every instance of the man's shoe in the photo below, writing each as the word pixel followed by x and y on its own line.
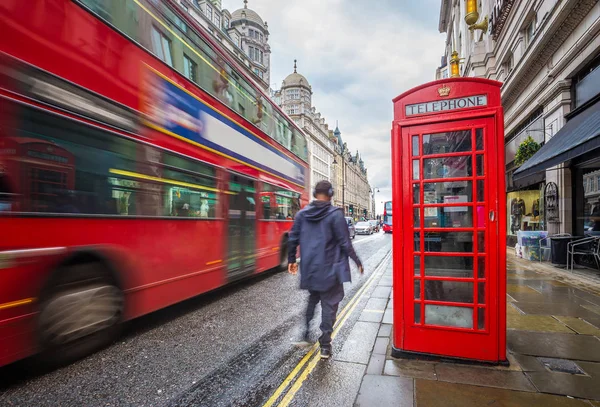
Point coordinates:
pixel 304 342
pixel 325 353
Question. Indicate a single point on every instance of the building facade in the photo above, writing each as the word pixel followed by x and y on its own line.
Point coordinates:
pixel 547 55
pixel 295 98
pixel 243 33
pixel 352 189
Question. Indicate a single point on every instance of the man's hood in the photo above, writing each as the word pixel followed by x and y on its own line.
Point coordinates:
pixel 317 210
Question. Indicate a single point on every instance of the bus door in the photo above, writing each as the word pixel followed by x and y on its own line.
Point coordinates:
pixel 241 245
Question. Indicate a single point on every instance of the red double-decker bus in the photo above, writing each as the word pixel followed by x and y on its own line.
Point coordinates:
pixel 139 166
pixel 387 217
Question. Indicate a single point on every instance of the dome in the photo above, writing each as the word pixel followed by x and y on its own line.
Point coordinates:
pixel 251 15
pixel 295 79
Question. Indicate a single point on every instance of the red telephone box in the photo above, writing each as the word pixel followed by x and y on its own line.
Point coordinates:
pixel 450 235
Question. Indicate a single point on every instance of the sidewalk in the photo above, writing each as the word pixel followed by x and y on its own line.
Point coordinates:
pixel 553 344
pixel 553 348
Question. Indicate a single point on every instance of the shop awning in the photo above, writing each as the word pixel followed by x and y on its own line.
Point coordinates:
pixel 580 135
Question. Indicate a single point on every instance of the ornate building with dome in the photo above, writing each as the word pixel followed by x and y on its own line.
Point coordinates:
pixel 329 156
pixel 243 33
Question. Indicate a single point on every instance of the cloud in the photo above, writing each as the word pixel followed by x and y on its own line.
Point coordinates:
pixel 357 57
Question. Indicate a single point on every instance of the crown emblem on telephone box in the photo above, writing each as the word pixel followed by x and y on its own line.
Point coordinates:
pixel 444 90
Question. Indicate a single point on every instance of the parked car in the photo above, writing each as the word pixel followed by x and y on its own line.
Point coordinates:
pixel 351 228
pixel 374 225
pixel 364 228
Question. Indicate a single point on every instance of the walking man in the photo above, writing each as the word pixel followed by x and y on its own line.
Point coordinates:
pixel 321 231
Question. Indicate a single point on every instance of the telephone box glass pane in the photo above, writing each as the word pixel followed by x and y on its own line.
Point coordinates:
pixel 481 242
pixel 417 313
pixel 481 293
pixel 417 265
pixel 449 266
pixel 416 193
pixel 445 143
pixel 416 169
pixel 449 291
pixel 417 242
pixel 481 267
pixel 447 167
pixel 479 139
pixel 447 192
pixel 415 145
pixel 449 217
pixel 481 318
pixel 480 190
pixel 449 242
pixel 447 315
pixel 417 289
pixel 479 165
pixel 417 217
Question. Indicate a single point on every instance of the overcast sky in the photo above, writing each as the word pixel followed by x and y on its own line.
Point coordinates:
pixel 357 56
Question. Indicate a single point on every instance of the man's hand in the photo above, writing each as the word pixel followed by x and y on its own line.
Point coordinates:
pixel 361 269
pixel 293 268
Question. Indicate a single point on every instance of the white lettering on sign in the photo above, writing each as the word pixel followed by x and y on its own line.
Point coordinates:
pixel 447 104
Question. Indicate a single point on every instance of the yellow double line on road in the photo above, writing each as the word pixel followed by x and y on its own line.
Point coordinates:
pixel 312 354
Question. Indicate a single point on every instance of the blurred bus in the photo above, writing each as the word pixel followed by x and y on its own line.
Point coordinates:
pixel 139 166
pixel 387 217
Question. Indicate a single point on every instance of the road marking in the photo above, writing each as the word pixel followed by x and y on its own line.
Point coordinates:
pixel 13 304
pixel 374 310
pixel 342 317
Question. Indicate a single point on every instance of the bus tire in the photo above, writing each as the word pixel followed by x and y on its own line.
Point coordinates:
pixel 283 256
pixel 81 311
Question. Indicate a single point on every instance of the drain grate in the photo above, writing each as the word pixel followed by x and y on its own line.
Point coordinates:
pixel 561 365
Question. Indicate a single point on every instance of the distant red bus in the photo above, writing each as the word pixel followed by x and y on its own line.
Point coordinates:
pixel 139 166
pixel 387 217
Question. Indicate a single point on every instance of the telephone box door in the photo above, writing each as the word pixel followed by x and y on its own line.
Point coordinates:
pixel 449 174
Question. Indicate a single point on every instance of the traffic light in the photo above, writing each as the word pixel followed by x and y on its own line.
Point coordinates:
pixel 351 209
pixel 365 213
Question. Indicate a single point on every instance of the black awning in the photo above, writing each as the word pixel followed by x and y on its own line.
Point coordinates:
pixel 579 136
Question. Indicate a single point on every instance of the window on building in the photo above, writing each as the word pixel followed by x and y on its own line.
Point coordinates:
pixel 260 37
pixel 217 20
pixel 161 46
pixel 190 68
pixel 530 31
pixel 209 11
pixel 261 57
pixel 225 22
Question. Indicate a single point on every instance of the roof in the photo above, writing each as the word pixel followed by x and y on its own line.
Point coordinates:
pixel 251 15
pixel 295 79
pixel 577 137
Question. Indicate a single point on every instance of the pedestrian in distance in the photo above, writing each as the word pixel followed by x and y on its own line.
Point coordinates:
pixel 321 231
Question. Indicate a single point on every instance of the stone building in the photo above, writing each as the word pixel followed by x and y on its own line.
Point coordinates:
pixel 295 98
pixel 243 33
pixel 547 54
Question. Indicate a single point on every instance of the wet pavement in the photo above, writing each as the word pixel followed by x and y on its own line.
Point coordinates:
pixel 233 348
pixel 553 344
pixel 228 348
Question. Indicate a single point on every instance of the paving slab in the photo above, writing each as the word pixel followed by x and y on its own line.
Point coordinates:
pixel 410 368
pixel 381 292
pixel 332 384
pixel 376 364
pixel 483 377
pixel 358 345
pixel 385 330
pixel 550 308
pixel 566 384
pixel 388 317
pixel 554 345
pixel 441 394
pixel 378 304
pixel 591 368
pixel 529 363
pixel 381 346
pixel 384 391
pixel 580 326
pixel 371 315
pixel 539 323
pixel 515 288
pixel 385 282
pixel 593 308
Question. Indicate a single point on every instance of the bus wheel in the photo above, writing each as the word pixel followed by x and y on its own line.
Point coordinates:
pixel 283 259
pixel 80 312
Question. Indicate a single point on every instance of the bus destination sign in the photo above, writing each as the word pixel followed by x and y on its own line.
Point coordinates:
pixel 447 104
